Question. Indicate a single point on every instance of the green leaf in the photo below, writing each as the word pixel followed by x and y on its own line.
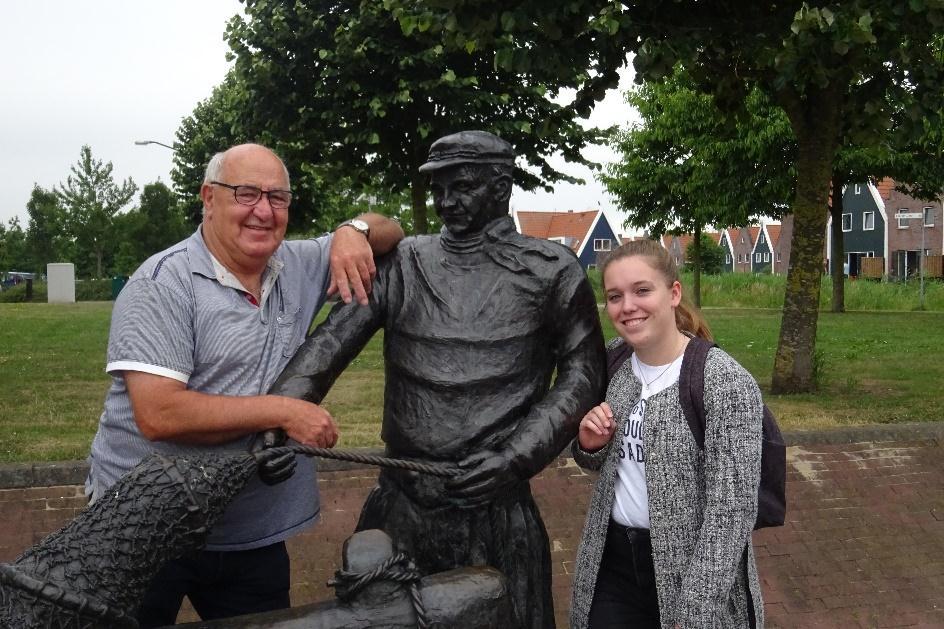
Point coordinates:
pixel 449 76
pixel 373 139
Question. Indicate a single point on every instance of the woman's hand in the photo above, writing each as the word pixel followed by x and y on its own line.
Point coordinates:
pixel 596 428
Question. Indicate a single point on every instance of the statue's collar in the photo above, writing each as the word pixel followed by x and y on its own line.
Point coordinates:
pixel 497 230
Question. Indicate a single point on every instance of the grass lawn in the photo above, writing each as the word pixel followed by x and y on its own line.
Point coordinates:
pixel 877 367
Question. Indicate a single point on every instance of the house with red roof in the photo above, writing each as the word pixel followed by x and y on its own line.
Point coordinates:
pixel 588 234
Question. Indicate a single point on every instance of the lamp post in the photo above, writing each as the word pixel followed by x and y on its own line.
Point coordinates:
pixel 146 142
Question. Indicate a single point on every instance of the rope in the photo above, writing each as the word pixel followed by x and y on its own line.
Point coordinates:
pixel 436 469
pixel 347 584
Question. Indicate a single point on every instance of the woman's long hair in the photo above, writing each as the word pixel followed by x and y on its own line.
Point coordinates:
pixel 687 317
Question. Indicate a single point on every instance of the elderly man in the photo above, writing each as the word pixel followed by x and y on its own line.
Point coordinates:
pixel 476 321
pixel 198 335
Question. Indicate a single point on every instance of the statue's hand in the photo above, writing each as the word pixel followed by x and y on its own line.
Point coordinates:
pixel 275 466
pixel 485 475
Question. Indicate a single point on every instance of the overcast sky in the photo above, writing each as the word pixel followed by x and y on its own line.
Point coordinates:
pixel 107 72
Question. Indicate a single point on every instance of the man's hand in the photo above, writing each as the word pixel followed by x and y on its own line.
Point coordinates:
pixel 486 474
pixel 307 423
pixel 352 265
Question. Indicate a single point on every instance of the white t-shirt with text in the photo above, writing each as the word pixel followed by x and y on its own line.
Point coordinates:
pixel 631 501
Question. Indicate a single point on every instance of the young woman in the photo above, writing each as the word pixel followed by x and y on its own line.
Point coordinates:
pixel 667 541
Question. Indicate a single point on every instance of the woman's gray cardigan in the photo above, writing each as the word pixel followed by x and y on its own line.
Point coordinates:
pixel 702 503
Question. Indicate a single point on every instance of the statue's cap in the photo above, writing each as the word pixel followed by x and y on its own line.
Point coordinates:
pixel 465 147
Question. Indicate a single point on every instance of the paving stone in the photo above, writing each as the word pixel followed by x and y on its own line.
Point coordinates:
pixel 863 545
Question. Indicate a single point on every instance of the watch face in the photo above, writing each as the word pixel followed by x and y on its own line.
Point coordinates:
pixel 360 225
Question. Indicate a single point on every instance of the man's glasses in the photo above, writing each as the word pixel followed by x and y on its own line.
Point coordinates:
pixel 250 195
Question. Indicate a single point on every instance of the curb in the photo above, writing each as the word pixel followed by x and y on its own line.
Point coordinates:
pixel 57 473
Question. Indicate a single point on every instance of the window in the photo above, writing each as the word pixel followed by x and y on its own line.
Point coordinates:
pixel 868 221
pixel 756 257
pixel 857 189
pixel 766 257
pixel 601 244
pixel 902 222
pixel 847 222
pixel 742 239
pixel 677 261
pixel 929 217
pixel 727 258
pixel 558 239
pixel 778 256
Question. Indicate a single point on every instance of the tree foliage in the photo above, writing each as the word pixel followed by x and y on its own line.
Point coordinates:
pixel 12 246
pixel 686 165
pixel 47 238
pixel 854 67
pixel 354 95
pixel 91 199
pixel 711 255
pixel 155 224
pixel 213 126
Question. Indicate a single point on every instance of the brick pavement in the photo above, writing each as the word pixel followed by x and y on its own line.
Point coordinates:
pixel 863 545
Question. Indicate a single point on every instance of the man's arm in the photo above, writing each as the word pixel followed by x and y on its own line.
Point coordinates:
pixel 165 410
pixel 352 256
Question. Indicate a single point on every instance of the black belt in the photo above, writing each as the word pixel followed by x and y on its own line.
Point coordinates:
pixel 634 535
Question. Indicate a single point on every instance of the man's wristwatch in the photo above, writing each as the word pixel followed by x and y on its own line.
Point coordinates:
pixel 358 225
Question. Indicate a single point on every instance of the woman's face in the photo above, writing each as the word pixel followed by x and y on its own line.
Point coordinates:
pixel 640 303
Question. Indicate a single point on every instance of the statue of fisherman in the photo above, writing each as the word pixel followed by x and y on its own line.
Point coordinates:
pixel 493 353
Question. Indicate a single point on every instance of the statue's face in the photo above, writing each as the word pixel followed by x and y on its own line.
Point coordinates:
pixel 466 197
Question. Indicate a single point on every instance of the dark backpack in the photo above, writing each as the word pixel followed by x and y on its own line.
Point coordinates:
pixel 771 494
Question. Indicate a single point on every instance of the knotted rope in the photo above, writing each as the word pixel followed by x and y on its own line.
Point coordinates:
pixel 436 469
pixel 399 568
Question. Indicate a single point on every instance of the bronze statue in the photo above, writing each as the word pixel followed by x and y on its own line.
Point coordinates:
pixel 476 319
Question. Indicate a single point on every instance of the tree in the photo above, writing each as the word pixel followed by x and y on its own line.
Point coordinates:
pixel 12 246
pixel 686 165
pixel 349 92
pixel 211 128
pixel 322 197
pixel 157 223
pixel 91 199
pixel 859 64
pixel 46 237
pixel 711 254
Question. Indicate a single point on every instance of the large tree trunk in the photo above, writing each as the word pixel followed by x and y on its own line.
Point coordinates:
pixel 838 247
pixel 815 122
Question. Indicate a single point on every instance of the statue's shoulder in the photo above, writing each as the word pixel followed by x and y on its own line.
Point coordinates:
pixel 557 255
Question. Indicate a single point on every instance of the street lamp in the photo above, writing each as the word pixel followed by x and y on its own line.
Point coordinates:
pixel 146 142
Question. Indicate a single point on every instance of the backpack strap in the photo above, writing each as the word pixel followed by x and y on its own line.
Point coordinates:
pixel 615 357
pixel 692 386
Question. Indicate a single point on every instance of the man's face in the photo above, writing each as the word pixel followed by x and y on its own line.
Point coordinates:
pixel 245 235
pixel 465 198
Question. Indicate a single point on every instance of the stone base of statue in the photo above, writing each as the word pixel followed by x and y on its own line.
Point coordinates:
pixel 379 589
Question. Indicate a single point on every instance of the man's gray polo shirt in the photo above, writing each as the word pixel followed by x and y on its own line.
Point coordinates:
pixel 176 319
